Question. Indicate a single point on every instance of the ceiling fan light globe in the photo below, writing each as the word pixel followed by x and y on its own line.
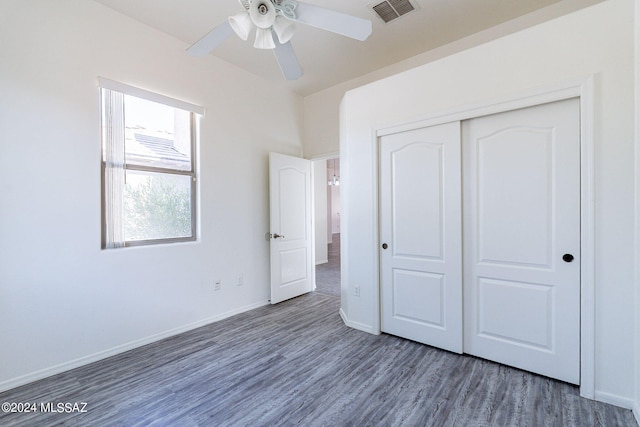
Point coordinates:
pixel 241 24
pixel 263 13
pixel 264 39
pixel 284 29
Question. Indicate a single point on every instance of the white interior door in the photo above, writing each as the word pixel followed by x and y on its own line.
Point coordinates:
pixel 291 227
pixel 522 239
pixel 420 256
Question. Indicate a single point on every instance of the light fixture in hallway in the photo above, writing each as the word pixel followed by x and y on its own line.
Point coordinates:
pixel 335 179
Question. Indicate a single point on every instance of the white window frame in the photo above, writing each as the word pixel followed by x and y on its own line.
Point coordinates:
pixel 112 228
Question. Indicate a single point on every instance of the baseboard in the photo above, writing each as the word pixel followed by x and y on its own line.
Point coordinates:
pixel 322 261
pixel 82 361
pixel 356 325
pixel 614 399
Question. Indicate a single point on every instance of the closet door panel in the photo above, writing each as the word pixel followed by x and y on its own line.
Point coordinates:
pixel 420 229
pixel 522 238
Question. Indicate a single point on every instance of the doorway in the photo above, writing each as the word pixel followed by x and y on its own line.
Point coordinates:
pixel 327 225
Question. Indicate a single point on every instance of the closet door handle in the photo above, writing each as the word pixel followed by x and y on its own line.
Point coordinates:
pixel 567 257
pixel 385 246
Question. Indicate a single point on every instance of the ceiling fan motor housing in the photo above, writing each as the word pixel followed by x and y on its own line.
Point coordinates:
pixel 263 13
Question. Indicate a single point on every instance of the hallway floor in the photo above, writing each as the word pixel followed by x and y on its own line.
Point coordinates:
pixel 328 274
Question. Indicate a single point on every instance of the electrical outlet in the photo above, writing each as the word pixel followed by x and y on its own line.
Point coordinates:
pixel 240 280
pixel 356 290
pixel 217 285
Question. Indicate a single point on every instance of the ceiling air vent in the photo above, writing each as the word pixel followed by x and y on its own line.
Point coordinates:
pixel 389 10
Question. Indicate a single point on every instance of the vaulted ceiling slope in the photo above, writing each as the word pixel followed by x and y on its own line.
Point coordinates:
pixel 328 59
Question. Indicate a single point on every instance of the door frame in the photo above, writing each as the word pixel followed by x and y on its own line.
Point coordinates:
pixel 583 89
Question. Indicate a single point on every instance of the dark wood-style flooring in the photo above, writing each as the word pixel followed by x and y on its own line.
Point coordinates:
pixel 296 363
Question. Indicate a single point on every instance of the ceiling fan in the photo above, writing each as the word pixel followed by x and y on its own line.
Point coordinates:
pixel 277 17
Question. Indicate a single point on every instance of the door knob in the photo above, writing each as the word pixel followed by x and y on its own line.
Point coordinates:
pixel 278 236
pixel 567 257
pixel 385 246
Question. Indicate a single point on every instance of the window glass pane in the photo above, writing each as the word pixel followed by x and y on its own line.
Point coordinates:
pixel 156 135
pixel 157 206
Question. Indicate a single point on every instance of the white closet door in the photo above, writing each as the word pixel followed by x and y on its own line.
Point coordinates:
pixel 522 239
pixel 420 254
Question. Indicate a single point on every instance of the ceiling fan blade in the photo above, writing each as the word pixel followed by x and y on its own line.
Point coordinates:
pixel 330 20
pixel 211 40
pixel 288 61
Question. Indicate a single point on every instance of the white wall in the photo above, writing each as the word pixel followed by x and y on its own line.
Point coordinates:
pixel 321 109
pixel 63 301
pixel 595 41
pixel 329 214
pixel 335 209
pixel 636 409
pixel 321 125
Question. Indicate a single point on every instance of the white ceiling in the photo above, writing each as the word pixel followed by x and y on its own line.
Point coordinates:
pixel 328 59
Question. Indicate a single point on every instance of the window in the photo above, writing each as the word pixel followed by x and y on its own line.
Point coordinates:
pixel 148 167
